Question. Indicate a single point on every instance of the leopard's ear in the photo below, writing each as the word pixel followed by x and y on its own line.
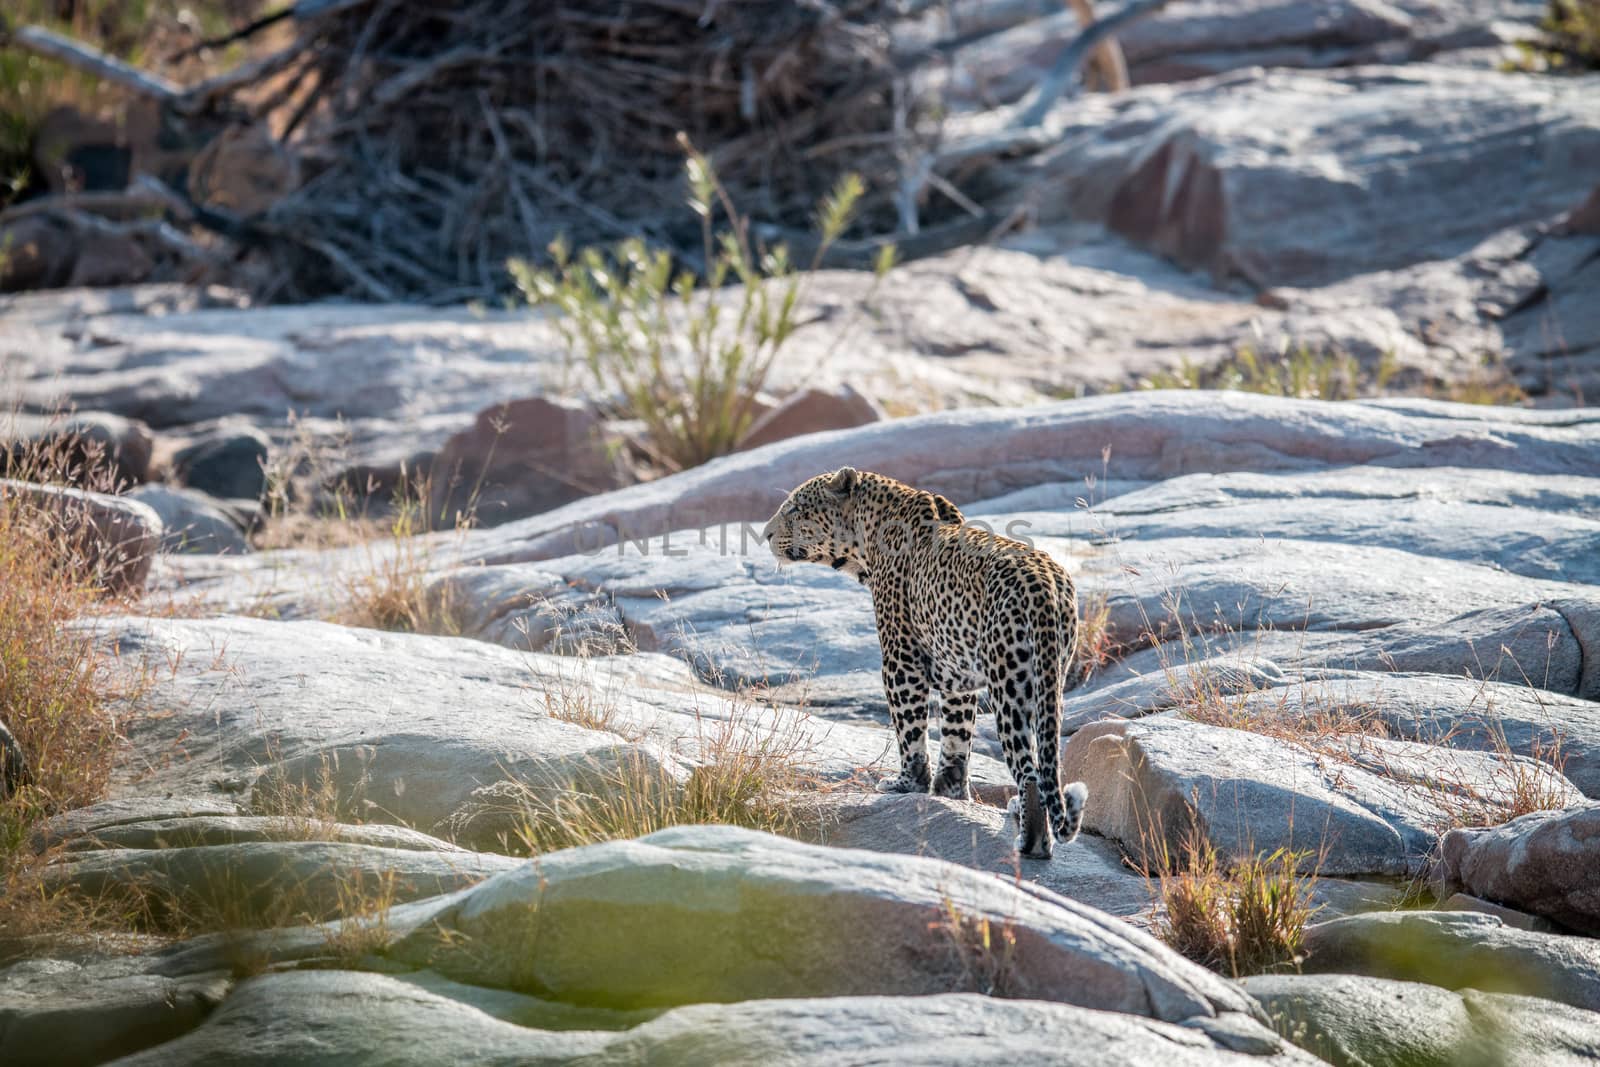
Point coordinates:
pixel 844 481
pixel 946 511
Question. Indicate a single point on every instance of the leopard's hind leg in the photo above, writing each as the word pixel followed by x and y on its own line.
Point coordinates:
pixel 1014 689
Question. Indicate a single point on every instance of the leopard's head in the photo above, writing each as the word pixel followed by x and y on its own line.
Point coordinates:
pixel 817 525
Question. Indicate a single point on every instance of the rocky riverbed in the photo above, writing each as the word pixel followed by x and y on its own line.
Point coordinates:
pixel 1367 632
pixel 1362 635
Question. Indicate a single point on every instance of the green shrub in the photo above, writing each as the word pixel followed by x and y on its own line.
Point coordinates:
pixel 685 354
pixel 1573 27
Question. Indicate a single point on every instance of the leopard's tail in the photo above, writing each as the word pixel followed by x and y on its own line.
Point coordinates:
pixel 1066 811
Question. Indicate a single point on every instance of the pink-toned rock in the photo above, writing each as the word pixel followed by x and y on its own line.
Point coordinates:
pixel 111 539
pixel 522 458
pixel 812 411
pixel 1585 218
pixel 1543 863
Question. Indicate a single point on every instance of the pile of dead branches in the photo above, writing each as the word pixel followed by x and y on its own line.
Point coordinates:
pixel 420 145
pixel 440 139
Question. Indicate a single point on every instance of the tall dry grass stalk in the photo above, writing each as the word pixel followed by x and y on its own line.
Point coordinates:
pixel 58 685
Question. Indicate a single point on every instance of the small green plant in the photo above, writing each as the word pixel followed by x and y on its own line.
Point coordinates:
pixel 686 356
pixel 1571 38
pixel 1298 370
pixel 1309 372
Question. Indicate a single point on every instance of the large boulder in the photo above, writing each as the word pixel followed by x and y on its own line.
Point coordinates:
pixel 422 730
pixel 59 1013
pixel 521 458
pixel 1458 950
pixel 1447 707
pixel 976 455
pixel 812 410
pixel 227 460
pixel 1303 178
pixel 979 836
pixel 1544 863
pixel 164 830
pixel 1367 1022
pixel 40 252
pixel 715 913
pixel 1350 804
pixel 329 1017
pixel 267 882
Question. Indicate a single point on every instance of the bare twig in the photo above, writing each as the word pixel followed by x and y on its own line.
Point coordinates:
pixel 87 58
pixel 1064 72
pixel 1107 54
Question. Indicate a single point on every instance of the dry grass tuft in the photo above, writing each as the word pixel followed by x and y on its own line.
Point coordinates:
pixel 745 772
pixel 306 809
pixel 985 951
pixel 1240 918
pixel 58 686
pixel 1097 649
pixel 1315 726
pixel 1520 784
pixel 394 590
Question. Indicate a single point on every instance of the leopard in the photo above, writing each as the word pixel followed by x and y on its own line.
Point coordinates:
pixel 962 610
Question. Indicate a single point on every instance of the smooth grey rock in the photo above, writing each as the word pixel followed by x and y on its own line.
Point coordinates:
pixel 193 521
pixel 718 914
pixel 1362 805
pixel 1218 585
pixel 1202 37
pixel 328 1017
pixel 228 460
pixel 1286 177
pixel 976 455
pixel 119 811
pixel 1089 869
pixel 1544 863
pixel 1541 528
pixel 1464 714
pixel 57 1013
pixel 1521 920
pixel 275 882
pixel 1495 715
pixel 1458 950
pixel 1555 340
pixel 407 727
pixel 1367 1022
pixel 205 830
pixel 524 1010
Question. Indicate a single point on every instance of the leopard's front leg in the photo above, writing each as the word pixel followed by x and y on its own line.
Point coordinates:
pixel 905 683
